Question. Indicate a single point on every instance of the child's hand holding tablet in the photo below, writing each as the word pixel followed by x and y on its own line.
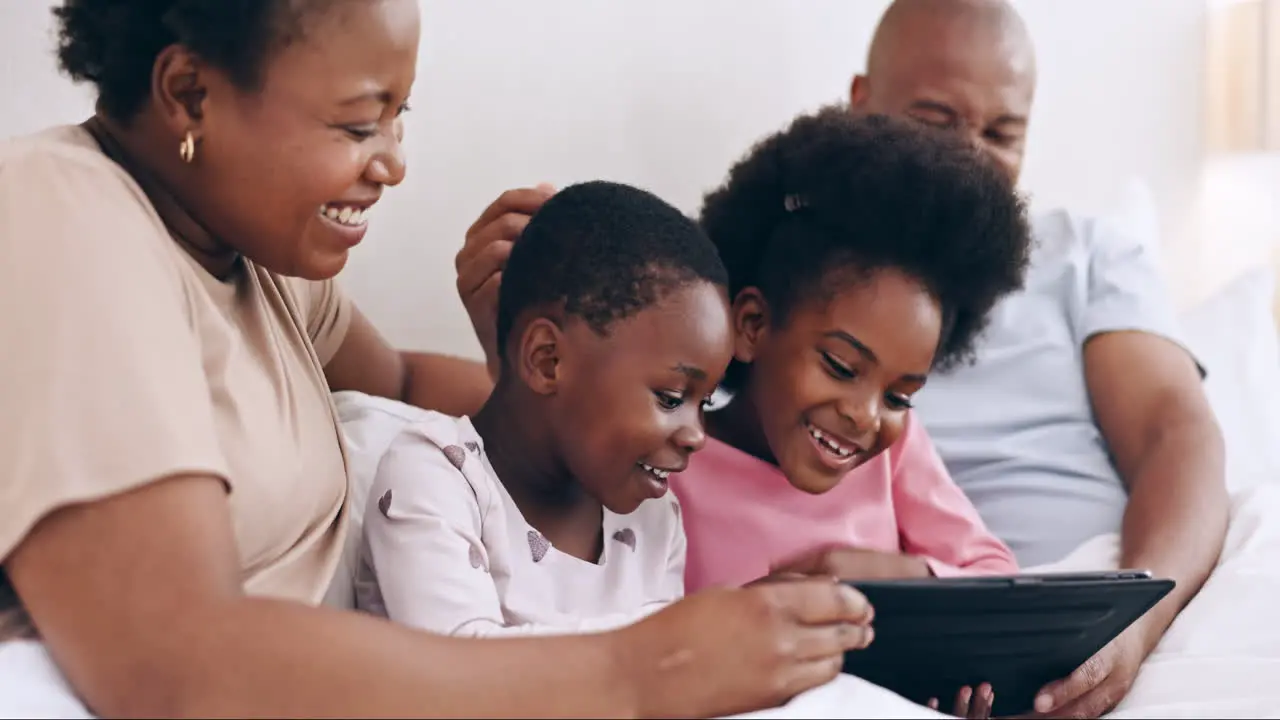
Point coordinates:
pixel 850 562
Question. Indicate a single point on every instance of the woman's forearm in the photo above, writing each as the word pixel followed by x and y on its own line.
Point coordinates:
pixel 268 658
pixel 138 597
pixel 451 385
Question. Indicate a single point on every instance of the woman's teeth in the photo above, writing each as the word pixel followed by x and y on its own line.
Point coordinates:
pixel 656 472
pixel 830 443
pixel 344 215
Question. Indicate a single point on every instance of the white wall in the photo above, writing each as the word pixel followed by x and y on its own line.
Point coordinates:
pixel 665 94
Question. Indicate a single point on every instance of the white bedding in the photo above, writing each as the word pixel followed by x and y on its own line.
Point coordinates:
pixel 1221 657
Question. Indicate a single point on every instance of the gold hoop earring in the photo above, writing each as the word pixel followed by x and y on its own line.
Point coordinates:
pixel 187 150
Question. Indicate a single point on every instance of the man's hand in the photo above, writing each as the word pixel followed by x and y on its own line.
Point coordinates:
pixel 484 255
pixel 1097 686
pixel 847 563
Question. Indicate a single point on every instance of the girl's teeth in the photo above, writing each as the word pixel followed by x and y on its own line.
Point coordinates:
pixel 828 443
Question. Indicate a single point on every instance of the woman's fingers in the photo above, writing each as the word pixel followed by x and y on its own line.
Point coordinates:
pixel 476 271
pixel 814 642
pixel 821 602
pixel 521 201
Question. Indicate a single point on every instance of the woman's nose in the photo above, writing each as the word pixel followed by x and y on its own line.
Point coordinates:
pixel 387 167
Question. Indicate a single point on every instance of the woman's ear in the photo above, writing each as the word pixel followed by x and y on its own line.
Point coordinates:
pixel 750 324
pixel 179 87
pixel 537 362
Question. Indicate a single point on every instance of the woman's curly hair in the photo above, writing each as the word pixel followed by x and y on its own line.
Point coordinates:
pixel 114 43
pixel 837 196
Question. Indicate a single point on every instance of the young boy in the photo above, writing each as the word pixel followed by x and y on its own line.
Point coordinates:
pixel 548 511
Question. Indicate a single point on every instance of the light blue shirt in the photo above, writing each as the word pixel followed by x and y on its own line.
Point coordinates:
pixel 1016 429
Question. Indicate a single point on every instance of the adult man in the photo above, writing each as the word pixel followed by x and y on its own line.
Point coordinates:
pixel 1082 415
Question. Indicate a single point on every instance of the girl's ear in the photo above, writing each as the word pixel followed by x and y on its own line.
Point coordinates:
pixel 750 324
pixel 538 360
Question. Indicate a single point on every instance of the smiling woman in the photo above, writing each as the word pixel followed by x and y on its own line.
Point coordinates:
pixel 173 481
pixel 318 122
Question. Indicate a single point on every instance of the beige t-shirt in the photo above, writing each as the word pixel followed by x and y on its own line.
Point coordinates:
pixel 122 362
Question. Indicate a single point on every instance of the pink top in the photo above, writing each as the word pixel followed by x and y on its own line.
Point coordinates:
pixel 742 517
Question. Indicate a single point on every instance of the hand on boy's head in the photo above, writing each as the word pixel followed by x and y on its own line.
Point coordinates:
pixel 849 563
pixel 723 652
pixel 484 255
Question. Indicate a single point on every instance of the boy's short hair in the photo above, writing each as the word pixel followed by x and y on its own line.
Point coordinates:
pixel 603 251
pixel 836 196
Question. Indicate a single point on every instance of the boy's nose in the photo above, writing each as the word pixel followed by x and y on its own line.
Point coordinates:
pixel 690 438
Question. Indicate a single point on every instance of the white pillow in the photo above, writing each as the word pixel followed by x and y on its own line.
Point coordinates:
pixel 1136 215
pixel 1234 335
pixel 369 424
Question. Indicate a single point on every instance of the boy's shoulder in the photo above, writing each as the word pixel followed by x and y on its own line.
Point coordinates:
pixel 372 425
pixel 444 431
pixel 434 464
pixel 460 448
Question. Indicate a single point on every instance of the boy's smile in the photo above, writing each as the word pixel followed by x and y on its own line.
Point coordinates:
pixel 657 477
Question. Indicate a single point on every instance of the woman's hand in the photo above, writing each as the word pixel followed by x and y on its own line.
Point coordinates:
pixel 484 255
pixel 723 652
pixel 848 563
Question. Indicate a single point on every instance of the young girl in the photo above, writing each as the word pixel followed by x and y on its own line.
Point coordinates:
pixel 862 253
pixel 548 511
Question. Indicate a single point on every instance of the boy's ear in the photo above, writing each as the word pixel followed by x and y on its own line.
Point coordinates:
pixel 750 324
pixel 538 359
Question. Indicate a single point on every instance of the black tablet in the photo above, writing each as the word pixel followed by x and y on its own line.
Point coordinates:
pixel 936 636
